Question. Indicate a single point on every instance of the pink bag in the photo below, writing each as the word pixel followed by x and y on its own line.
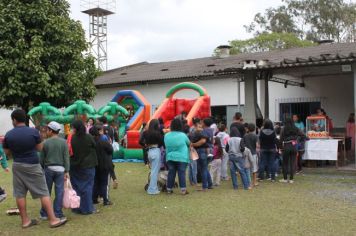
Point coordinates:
pixel 70 198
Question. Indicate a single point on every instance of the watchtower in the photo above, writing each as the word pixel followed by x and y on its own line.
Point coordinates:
pixel 98 11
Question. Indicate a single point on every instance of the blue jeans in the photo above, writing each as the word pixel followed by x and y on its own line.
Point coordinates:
pixel 267 163
pixel 58 179
pixel 193 170
pixel 83 183
pixel 244 173
pixel 203 166
pixel 173 168
pixel 154 156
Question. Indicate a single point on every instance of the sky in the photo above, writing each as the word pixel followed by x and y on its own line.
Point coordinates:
pixel 168 30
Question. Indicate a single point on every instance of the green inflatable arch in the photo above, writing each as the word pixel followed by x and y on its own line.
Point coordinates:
pixel 186 85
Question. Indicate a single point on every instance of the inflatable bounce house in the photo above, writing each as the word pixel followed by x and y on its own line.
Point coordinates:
pixel 139 112
pixel 129 109
pixel 171 106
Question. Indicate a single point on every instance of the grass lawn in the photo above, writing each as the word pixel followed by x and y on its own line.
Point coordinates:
pixel 321 202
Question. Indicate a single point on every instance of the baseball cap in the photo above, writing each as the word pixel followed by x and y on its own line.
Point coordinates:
pixel 54 126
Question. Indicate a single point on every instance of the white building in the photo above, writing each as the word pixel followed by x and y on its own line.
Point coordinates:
pixel 299 81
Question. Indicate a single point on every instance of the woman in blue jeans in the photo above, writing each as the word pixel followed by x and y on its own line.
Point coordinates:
pixel 154 142
pixel 199 140
pixel 268 145
pixel 82 167
pixel 177 155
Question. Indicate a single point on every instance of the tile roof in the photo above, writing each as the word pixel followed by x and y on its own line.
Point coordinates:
pixel 210 66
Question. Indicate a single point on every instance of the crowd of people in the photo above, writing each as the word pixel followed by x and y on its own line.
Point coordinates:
pixel 208 151
pixel 83 161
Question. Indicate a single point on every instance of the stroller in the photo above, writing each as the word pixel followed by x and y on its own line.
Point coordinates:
pixel 162 175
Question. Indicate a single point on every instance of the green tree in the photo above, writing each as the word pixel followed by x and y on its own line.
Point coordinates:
pixel 42 55
pixel 309 19
pixel 267 42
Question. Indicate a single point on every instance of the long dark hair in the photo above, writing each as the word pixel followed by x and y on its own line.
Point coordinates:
pixel 289 128
pixel 94 131
pixel 79 127
pixel 176 125
pixel 154 125
pixel 217 142
pixel 267 124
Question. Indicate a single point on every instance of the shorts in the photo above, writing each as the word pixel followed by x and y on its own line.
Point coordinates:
pixel 29 177
pixel 254 166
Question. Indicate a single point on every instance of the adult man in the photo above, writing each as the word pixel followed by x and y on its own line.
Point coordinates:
pixel 22 143
pixel 55 160
pixel 238 123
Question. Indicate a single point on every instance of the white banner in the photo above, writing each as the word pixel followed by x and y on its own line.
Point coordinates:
pixel 321 149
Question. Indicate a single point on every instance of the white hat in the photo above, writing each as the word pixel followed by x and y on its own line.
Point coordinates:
pixel 54 126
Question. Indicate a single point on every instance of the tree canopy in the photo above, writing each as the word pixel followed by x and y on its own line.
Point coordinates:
pixel 267 42
pixel 43 55
pixel 309 19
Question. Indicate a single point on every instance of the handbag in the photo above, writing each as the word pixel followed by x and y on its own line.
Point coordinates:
pixel 70 198
pixel 115 146
pixel 193 154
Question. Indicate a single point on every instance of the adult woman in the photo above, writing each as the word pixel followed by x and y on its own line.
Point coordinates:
pixel 154 142
pixel 268 142
pixel 301 142
pixel 193 166
pixel 177 155
pixel 350 130
pixel 289 137
pixel 200 141
pixel 82 167
pixel 104 152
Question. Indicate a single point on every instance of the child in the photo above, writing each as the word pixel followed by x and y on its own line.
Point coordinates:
pixel 245 170
pixel 4 165
pixel 251 142
pixel 224 138
pixel 215 170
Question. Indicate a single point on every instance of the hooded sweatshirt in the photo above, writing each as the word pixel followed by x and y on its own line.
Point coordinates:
pixel 268 140
pixel 235 146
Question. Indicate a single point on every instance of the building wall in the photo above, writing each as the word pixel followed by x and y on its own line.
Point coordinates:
pixel 335 94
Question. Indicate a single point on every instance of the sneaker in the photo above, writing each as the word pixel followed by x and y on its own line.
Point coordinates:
pixel 291 181
pixel 283 181
pixel 108 203
pixel 43 218
pixel 169 191
pixel 185 192
pixel 269 179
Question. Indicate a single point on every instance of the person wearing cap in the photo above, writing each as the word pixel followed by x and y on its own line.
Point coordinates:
pixel 55 161
pixel 22 143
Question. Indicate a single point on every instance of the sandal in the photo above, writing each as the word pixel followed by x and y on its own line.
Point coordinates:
pixel 13 211
pixel 33 222
pixel 60 223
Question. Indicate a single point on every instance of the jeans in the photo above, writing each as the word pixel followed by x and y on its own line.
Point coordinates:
pixel 267 162
pixel 244 174
pixel 203 166
pixel 101 186
pixel 193 169
pixel 173 168
pixel 58 179
pixel 83 183
pixel 289 157
pixel 154 156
